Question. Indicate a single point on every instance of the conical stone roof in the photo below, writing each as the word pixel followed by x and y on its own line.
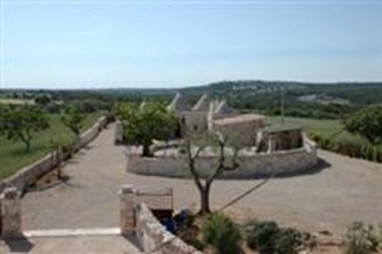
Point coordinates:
pixel 178 104
pixel 203 103
pixel 223 108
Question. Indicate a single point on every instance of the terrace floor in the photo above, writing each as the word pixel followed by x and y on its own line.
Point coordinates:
pixel 343 191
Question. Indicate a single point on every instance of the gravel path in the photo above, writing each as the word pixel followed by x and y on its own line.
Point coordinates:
pixel 343 191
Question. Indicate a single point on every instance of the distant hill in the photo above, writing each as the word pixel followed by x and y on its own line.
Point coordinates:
pixel 333 99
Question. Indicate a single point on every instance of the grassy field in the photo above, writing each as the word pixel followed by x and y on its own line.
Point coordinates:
pixel 13 155
pixel 326 128
pixel 9 101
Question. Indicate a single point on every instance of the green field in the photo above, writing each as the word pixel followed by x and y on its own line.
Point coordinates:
pixel 13 156
pixel 11 101
pixel 325 127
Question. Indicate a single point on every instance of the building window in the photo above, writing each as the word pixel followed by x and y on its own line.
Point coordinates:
pixel 195 127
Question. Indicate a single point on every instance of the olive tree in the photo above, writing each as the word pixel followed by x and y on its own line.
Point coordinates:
pixel 226 157
pixel 21 123
pixel 141 125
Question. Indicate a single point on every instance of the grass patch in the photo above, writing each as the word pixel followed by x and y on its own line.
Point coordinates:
pixel 327 128
pixel 13 155
pixel 330 135
pixel 11 101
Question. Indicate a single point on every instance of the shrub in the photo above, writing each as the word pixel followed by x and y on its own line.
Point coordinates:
pixel 350 147
pixel 261 236
pixel 224 236
pixel 360 239
pixel 268 238
pixel 315 136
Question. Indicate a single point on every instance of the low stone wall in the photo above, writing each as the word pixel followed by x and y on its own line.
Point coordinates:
pixel 283 163
pixel 28 175
pixel 154 238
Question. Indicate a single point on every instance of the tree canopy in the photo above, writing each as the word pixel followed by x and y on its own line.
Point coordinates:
pixel 143 124
pixel 367 122
pixel 73 119
pixel 20 123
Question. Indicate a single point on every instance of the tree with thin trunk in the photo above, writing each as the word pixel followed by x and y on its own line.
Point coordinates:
pixel 21 123
pixel 226 161
pixel 73 119
pixel 141 125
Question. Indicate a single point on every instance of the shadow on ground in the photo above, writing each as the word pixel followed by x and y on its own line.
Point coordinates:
pixel 320 166
pixel 19 245
pixel 133 240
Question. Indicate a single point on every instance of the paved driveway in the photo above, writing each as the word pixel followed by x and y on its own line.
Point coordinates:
pixel 345 190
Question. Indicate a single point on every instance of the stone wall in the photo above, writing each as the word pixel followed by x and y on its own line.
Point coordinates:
pixel 195 121
pixel 28 175
pixel 154 238
pixel 240 132
pixel 289 162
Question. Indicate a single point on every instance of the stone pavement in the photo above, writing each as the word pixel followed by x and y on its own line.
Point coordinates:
pixel 343 190
pixel 80 244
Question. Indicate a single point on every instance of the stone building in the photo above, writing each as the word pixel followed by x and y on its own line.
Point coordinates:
pixel 280 138
pixel 213 115
pixel 240 129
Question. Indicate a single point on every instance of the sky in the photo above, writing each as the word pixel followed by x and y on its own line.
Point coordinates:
pixel 111 44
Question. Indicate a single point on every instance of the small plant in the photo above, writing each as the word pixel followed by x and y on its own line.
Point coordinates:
pixel 268 238
pixel 224 236
pixel 261 236
pixel 360 239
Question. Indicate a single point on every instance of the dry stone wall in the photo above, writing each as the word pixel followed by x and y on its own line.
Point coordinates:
pixel 28 175
pixel 283 163
pixel 154 238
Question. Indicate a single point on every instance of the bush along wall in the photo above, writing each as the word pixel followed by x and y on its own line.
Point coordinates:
pixel 350 147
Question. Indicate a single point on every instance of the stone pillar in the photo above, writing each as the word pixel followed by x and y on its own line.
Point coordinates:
pixel 118 132
pixel 11 213
pixel 127 216
pixel 270 145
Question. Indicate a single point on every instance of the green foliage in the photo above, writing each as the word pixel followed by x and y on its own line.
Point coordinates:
pixel 143 124
pixel 361 239
pixel 42 100
pixel 14 156
pixel 350 146
pixel 268 238
pixel 367 122
pixel 73 119
pixel 331 135
pixel 261 236
pixel 219 231
pixel 21 123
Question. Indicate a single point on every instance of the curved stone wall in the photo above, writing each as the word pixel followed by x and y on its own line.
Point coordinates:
pixel 283 163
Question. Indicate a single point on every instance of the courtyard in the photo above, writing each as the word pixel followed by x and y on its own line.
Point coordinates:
pixel 339 192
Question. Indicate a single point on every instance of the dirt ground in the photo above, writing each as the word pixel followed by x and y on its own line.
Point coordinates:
pixel 341 191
